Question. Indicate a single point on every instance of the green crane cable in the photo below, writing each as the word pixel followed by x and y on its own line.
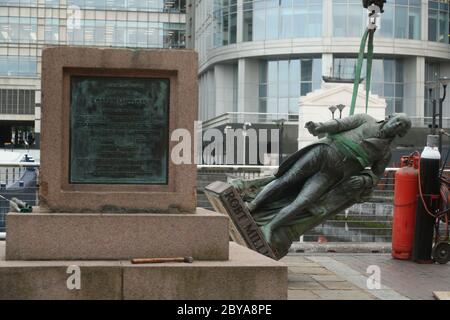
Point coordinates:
pixel 368 34
pixel 369 67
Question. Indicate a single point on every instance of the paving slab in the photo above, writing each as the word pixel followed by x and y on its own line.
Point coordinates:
pixel 302 295
pixel 309 280
pixel 409 279
pixel 305 285
pixel 343 294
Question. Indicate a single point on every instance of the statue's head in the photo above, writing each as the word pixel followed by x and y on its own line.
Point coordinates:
pixel 396 125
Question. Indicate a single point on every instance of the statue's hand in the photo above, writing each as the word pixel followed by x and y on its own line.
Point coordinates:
pixel 312 128
pixel 357 182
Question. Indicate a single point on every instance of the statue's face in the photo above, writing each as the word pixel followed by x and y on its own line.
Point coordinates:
pixel 398 125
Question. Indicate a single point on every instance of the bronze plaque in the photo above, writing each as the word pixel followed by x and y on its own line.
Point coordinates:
pixel 119 129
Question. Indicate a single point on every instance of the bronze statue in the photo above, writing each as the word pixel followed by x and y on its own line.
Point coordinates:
pixel 339 160
pixel 312 185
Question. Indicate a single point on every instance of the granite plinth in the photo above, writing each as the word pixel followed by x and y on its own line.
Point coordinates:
pixel 94 236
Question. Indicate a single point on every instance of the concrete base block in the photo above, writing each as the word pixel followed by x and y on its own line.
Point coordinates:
pixel 72 236
pixel 247 275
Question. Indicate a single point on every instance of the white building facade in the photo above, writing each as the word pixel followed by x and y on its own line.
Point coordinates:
pixel 259 56
pixel 26 26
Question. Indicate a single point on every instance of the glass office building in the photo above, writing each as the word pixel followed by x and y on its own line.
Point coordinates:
pixel 260 56
pixel 26 26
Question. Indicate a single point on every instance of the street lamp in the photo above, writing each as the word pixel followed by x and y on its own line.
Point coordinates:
pixel 444 81
pixel 333 110
pixel 432 85
pixel 280 125
pixel 340 108
pixel 244 133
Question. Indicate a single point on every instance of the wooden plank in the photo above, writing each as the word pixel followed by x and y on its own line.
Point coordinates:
pixel 442 295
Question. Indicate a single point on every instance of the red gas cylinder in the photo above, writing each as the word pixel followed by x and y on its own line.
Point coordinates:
pixel 405 202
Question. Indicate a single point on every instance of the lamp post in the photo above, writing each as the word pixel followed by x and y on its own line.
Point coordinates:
pixel 227 160
pixel 340 108
pixel 333 110
pixel 444 81
pixel 280 125
pixel 432 86
pixel 244 132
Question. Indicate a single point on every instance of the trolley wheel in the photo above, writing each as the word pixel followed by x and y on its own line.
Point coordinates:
pixel 441 252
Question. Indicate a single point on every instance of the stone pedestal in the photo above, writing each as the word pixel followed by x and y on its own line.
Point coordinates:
pixel 95 236
pixel 114 193
pixel 246 275
pixel 40 247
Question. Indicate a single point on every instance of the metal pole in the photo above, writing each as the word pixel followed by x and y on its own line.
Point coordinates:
pixel 440 125
pixel 433 104
pixel 280 160
pixel 441 102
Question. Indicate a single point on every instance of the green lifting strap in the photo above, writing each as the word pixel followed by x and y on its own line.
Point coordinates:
pixel 368 34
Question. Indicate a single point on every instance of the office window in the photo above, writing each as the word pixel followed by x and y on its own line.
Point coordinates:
pixel 18 66
pixel 225 22
pixel 17 101
pixel 438 21
pixel 281 19
pixel 401 19
pixel 282 82
pixel 387 78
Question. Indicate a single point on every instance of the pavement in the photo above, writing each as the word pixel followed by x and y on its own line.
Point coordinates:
pixel 349 276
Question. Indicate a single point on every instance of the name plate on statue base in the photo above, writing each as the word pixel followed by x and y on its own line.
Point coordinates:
pixel 243 228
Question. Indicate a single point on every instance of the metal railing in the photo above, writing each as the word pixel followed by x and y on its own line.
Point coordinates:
pixel 251 117
pixel 270 118
pixel 17 180
pixel 424 122
pixel 365 222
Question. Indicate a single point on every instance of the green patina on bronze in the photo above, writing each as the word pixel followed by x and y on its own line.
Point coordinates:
pixel 335 201
pixel 323 178
pixel 119 130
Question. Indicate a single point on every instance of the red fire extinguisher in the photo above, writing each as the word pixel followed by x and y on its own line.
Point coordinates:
pixel 405 202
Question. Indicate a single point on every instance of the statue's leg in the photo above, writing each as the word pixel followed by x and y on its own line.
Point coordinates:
pixel 305 167
pixel 312 190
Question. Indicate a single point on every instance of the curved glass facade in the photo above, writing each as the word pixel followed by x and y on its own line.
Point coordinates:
pixel 282 82
pixel 438 21
pixel 401 19
pixel 281 19
pixel 387 79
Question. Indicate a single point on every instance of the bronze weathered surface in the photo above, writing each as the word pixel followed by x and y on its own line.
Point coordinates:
pixel 321 179
pixel 119 130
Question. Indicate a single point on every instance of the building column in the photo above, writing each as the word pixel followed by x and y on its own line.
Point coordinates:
pixel 224 85
pixel 414 88
pixel 424 21
pixel 240 21
pixel 327 64
pixel 327 21
pixel 248 85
